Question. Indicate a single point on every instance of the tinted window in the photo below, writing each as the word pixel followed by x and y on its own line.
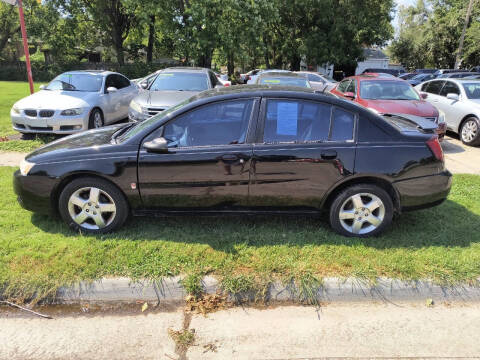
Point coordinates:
pixel 450 88
pixel 180 81
pixel 76 82
pixel 221 123
pixel 296 121
pixel 121 81
pixel 433 87
pixel 213 78
pixel 368 131
pixel 343 85
pixel 342 125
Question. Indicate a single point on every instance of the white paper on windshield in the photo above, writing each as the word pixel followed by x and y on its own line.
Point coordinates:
pixel 287 118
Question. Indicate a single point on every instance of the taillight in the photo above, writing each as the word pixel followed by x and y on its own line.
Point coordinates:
pixel 226 84
pixel 435 147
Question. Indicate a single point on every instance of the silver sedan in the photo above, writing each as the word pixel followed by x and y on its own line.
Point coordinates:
pixel 75 101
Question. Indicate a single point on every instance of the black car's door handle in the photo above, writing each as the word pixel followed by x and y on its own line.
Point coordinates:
pixel 229 157
pixel 328 154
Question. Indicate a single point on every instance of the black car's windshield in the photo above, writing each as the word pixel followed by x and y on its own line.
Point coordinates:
pixel 137 128
pixel 420 76
pixel 387 90
pixel 472 90
pixel 284 80
pixel 76 82
pixel 180 81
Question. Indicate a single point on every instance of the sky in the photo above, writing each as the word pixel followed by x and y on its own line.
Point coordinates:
pixel 404 3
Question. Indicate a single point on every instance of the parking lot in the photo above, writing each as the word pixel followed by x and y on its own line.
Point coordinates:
pixel 460 159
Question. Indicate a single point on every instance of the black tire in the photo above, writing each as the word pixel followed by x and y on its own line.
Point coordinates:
pixel 108 194
pixel 471 124
pixel 343 202
pixel 95 120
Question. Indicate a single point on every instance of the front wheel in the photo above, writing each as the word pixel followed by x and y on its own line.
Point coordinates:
pixel 93 205
pixel 95 120
pixel 470 132
pixel 361 211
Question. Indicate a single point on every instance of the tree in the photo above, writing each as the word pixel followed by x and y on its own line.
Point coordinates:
pixel 8 23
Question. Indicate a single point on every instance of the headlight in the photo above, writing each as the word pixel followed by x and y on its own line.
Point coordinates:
pixel 70 112
pixel 25 167
pixel 15 109
pixel 136 106
pixel 441 116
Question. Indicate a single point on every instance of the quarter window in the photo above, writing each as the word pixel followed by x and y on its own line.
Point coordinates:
pixel 300 121
pixel 222 123
pixel 450 88
pixel 351 87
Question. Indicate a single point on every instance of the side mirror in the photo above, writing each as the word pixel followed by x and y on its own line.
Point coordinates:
pixel 42 87
pixel 144 85
pixel 158 145
pixel 349 95
pixel 111 89
pixel 453 96
pixel 423 95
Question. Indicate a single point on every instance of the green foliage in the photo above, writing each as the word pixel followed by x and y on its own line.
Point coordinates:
pixel 430 32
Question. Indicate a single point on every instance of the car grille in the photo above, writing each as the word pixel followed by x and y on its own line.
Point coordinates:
pixel 32 113
pixel 434 119
pixel 154 111
pixel 39 128
pixel 46 113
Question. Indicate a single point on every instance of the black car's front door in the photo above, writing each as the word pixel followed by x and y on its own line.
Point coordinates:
pixel 208 160
pixel 306 147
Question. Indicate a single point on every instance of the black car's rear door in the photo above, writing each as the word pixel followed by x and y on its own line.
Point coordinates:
pixel 208 160
pixel 303 147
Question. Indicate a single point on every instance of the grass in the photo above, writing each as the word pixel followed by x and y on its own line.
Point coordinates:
pixel 38 254
pixel 12 91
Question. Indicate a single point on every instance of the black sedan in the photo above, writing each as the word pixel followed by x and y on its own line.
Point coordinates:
pixel 246 149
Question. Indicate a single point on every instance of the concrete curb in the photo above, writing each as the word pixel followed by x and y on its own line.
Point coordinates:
pixel 170 290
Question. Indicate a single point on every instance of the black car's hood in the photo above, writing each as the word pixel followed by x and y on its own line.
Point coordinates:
pixel 91 141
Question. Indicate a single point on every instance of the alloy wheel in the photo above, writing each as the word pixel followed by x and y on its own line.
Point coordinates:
pixel 469 131
pixel 91 208
pixel 362 213
pixel 97 119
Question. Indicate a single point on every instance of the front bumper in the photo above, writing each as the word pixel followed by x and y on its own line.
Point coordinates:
pixel 33 193
pixel 425 191
pixel 57 124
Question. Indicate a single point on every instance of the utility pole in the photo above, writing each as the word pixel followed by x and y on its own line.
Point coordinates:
pixel 458 60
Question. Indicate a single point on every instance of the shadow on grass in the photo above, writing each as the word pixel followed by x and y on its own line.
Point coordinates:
pixel 448 225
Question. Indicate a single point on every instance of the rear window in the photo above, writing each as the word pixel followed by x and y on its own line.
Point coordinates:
pixel 283 80
pixel 301 121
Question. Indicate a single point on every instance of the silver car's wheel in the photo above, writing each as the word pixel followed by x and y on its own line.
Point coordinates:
pixel 91 208
pixel 97 120
pixel 469 131
pixel 361 214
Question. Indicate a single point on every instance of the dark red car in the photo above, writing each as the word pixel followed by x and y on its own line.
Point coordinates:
pixel 387 95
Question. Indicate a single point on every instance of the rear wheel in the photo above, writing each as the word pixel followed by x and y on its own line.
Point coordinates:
pixel 470 132
pixel 361 210
pixel 93 205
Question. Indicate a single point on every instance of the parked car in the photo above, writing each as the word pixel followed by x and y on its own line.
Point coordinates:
pixel 283 78
pixel 253 78
pixel 319 82
pixel 242 150
pixel 422 77
pixel 393 72
pixel 74 101
pixel 223 78
pixel 146 81
pixel 456 75
pixel 248 75
pixel 171 86
pixel 426 71
pixel 389 96
pixel 407 76
pixel 472 77
pixel 448 71
pixel 459 99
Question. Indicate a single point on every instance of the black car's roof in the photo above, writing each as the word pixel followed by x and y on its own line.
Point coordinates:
pixel 186 69
pixel 281 74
